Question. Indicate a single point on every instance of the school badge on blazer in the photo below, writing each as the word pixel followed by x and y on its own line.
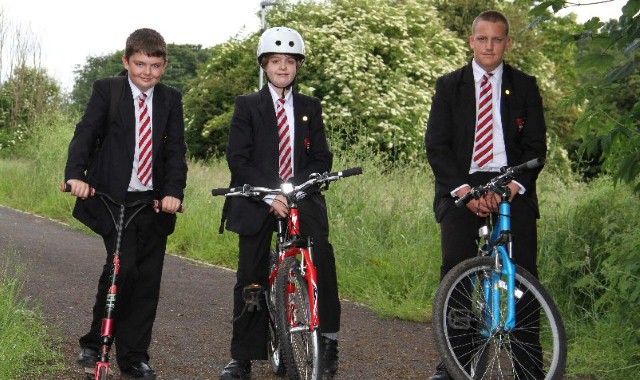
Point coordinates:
pixel 307 140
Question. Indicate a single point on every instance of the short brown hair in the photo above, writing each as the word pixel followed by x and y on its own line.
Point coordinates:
pixel 265 58
pixel 491 16
pixel 146 41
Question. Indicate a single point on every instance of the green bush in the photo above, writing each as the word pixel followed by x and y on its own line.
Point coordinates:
pixel 590 245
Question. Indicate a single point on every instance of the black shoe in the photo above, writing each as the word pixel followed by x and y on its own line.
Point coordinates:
pixel 330 355
pixel 237 369
pixel 441 373
pixel 88 357
pixel 138 370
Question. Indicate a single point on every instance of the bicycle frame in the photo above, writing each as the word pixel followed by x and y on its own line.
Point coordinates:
pixel 499 245
pixel 291 244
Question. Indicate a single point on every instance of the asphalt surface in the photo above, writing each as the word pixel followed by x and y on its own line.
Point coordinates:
pixel 193 326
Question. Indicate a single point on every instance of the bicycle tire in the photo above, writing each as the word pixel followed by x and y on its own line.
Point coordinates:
pixel 103 375
pixel 469 350
pixel 273 348
pixel 300 349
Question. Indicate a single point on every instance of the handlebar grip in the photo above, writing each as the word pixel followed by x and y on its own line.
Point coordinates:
pixel 66 188
pixel 461 202
pixel 347 172
pixel 531 164
pixel 220 191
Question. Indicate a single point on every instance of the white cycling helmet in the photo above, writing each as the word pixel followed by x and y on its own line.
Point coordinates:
pixel 281 40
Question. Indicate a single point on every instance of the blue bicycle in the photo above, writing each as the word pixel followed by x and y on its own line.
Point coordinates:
pixel 492 319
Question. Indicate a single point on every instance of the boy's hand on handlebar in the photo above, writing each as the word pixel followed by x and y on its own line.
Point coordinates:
pixel 80 188
pixel 170 205
pixel 280 206
pixel 514 190
pixel 479 207
pixel 490 202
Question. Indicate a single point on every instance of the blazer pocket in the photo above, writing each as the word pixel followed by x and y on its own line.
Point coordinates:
pixel 165 223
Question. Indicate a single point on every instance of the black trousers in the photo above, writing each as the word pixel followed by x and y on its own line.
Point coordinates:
pixel 249 340
pixel 142 257
pixel 459 228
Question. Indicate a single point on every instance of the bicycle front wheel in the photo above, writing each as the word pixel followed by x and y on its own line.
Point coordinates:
pixel 299 344
pixel 275 357
pixel 475 342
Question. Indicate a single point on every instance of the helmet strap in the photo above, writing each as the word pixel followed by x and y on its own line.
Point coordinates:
pixel 283 89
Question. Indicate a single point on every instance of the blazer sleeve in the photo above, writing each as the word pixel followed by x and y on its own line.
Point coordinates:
pixel 242 150
pixel 442 136
pixel 87 132
pixel 175 150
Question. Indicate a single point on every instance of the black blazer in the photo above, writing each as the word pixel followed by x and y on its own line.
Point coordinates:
pixel 109 168
pixel 252 152
pixel 451 130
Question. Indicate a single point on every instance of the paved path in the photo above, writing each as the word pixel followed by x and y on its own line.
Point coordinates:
pixel 192 329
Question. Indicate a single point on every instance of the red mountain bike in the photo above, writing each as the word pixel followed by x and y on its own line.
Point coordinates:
pixel 294 326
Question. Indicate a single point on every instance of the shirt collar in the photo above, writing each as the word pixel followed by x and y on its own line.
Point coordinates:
pixel 275 95
pixel 135 91
pixel 478 72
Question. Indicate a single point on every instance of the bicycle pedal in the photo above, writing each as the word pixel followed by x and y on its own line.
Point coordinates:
pixel 252 294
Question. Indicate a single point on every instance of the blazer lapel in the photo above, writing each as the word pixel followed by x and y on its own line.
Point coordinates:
pixel 128 118
pixel 301 116
pixel 269 124
pixel 159 117
pixel 468 106
pixel 505 99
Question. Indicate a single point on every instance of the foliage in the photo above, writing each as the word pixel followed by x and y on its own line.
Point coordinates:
pixel 209 103
pixel 183 62
pixel 589 251
pixel 372 64
pixel 26 96
pixel 610 84
pixel 94 68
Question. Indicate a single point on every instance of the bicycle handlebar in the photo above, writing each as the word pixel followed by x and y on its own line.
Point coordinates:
pixel 314 179
pixel 66 188
pixel 500 181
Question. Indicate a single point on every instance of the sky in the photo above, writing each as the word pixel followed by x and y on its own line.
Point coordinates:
pixel 69 31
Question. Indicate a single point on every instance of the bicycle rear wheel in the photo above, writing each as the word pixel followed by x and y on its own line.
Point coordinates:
pixel 471 349
pixel 299 345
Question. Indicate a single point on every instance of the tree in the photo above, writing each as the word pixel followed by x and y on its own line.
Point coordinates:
pixel 610 83
pixel 183 62
pixel 27 92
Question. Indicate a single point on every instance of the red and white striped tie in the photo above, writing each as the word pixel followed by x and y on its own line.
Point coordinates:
pixel 286 166
pixel 483 146
pixel 144 144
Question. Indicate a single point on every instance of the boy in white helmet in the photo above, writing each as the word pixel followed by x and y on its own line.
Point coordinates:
pixel 253 155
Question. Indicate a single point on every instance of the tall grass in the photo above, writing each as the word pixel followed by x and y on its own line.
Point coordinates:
pixel 590 260
pixel 26 351
pixel 387 242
